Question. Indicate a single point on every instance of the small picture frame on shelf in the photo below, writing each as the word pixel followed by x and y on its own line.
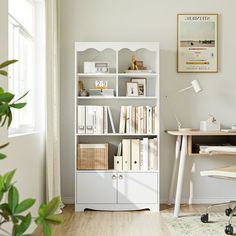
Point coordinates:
pixel 131 89
pixel 142 86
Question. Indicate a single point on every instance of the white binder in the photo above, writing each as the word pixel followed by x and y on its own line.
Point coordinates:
pixel 81 119
pixel 118 162
pixel 98 119
pixel 135 154
pixel 152 153
pixel 145 154
pixel 89 120
pixel 122 119
pixel 126 154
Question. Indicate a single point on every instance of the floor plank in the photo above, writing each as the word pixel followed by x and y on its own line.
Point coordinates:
pixel 97 223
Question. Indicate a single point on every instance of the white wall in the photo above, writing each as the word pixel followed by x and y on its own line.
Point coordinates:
pixel 155 20
pixel 25 153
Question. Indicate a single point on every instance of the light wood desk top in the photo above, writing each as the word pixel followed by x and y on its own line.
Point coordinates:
pixel 200 133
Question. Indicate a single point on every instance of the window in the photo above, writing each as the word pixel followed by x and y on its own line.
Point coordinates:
pixel 23 45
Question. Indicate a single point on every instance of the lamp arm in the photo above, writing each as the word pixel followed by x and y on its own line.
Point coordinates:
pixel 184 89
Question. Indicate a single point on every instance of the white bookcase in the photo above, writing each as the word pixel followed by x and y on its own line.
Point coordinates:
pixel 111 189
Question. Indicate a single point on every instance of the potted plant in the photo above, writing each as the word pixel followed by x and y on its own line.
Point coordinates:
pixel 12 209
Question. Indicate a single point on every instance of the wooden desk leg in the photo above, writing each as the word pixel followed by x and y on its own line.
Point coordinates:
pixel 180 175
pixel 174 172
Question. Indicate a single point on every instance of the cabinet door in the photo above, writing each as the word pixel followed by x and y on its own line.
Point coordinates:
pixel 96 187
pixel 137 188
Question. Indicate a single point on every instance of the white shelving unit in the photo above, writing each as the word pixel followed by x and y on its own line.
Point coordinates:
pixel 111 189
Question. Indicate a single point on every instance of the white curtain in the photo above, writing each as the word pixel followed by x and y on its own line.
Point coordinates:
pixel 53 182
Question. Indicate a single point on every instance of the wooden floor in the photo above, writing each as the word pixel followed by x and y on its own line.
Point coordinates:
pixel 96 223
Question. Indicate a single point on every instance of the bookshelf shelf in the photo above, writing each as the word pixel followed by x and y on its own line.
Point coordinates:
pixel 136 186
pixel 118 98
pixel 125 75
pixel 97 75
pixel 117 134
pixel 117 171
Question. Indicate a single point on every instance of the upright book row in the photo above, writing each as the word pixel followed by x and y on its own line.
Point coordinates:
pixel 137 155
pixel 141 120
pixel 94 119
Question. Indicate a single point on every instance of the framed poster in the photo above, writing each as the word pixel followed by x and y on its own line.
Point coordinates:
pixel 197 43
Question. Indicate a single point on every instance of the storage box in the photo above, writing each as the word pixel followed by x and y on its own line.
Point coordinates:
pixel 101 92
pixel 92 157
pixel 96 67
pixel 209 126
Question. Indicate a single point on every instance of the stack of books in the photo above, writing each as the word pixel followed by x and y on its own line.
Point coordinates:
pixel 94 119
pixel 140 120
pixel 137 155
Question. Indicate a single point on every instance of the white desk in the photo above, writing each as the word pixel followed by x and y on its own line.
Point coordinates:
pixel 180 157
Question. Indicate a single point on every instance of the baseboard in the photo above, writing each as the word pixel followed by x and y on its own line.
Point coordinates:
pixel 68 200
pixel 210 200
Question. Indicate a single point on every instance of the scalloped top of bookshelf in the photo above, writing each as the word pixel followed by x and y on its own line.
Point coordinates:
pixel 117 46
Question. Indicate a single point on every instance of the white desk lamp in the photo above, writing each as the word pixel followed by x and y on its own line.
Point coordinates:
pixel 197 89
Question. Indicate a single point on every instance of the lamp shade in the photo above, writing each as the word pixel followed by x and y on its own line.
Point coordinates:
pixel 196 86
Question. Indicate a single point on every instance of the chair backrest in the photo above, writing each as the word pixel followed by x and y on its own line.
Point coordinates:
pixel 228 172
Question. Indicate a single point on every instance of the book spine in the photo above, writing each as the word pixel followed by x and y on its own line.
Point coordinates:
pixel 122 119
pixel 105 116
pixel 133 121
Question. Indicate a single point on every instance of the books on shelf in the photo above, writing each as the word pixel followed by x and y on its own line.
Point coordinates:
pixel 138 154
pixel 94 119
pixel 140 120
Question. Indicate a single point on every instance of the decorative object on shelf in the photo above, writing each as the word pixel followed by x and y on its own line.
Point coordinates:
pixel 96 67
pixel 210 124
pixel 137 67
pixel 197 43
pixel 197 89
pixel 82 91
pixel 131 89
pixel 142 86
pixel 92 157
pixel 101 84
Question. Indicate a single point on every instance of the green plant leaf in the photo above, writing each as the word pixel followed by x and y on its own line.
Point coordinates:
pixel 6 97
pixel 13 198
pixel 20 97
pixel 7 63
pixel 4 145
pixel 4 108
pixel 9 118
pixel 39 220
pixel 3 72
pixel 54 219
pixel 1 90
pixel 24 205
pixel 18 105
pixel 7 178
pixel 52 206
pixel 4 121
pixel 46 229
pixel 24 225
pixel 5 211
pixel 2 156
pixel 41 210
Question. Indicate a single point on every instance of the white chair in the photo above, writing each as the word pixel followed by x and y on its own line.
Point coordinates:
pixel 226 173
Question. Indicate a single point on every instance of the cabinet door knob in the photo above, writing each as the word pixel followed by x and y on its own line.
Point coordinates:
pixel 113 176
pixel 120 176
